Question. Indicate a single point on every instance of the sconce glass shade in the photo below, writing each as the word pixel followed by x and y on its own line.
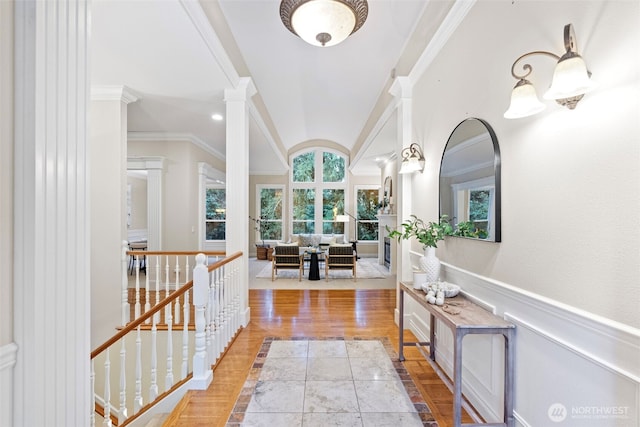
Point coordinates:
pixel 411 165
pixel 412 159
pixel 323 22
pixel 524 101
pixel 570 78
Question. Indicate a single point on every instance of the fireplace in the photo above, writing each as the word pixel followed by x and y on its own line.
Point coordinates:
pixel 387 252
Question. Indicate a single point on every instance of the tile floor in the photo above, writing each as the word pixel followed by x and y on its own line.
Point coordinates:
pixel 339 382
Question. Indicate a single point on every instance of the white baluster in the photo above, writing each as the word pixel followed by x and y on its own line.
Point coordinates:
pixel 169 377
pixel 92 412
pixel 176 317
pixel 126 314
pixel 167 310
pixel 185 337
pixel 221 308
pixel 137 306
pixel 209 320
pixel 137 401
pixel 153 388
pixel 147 303
pixel 201 368
pixel 123 384
pixel 107 390
pixel 156 317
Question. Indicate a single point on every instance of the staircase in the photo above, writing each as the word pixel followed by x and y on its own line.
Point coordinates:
pixel 174 330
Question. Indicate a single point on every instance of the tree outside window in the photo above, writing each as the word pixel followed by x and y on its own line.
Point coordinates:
pixel 367 226
pixel 318 182
pixel 270 213
pixel 216 215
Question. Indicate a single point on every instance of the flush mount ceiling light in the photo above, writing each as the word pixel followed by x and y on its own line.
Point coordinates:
pixel 323 22
pixel 412 159
pixel 571 80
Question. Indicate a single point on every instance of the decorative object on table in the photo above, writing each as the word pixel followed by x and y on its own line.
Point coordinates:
pixel 419 279
pixel 429 234
pixel 438 291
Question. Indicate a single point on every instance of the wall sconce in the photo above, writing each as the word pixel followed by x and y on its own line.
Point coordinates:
pixel 412 159
pixel 571 80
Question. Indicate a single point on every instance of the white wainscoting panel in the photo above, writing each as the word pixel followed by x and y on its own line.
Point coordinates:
pixel 569 363
pixel 8 355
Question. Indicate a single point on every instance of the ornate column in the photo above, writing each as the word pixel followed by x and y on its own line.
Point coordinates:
pixel 237 234
pixel 51 221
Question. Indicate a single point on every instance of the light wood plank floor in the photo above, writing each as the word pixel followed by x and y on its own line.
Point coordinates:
pixel 308 313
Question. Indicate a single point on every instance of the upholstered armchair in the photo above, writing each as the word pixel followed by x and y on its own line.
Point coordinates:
pixel 286 257
pixel 340 258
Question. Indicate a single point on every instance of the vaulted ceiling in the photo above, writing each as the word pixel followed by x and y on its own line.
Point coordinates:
pixel 179 56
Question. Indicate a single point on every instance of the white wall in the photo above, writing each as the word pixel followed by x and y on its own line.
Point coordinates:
pixel 7 347
pixel 108 127
pixel 180 189
pixel 570 202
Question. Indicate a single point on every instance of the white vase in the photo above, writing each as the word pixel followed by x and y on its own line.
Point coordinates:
pixel 430 264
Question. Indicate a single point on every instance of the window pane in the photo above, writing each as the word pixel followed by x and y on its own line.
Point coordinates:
pixel 332 168
pixel 215 231
pixel 479 205
pixel 271 203
pixel 271 213
pixel 367 205
pixel 216 203
pixel 303 211
pixel 332 203
pixel 367 230
pixel 331 227
pixel 304 167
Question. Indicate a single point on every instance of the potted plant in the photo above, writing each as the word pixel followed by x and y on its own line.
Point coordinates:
pixel 264 228
pixel 429 234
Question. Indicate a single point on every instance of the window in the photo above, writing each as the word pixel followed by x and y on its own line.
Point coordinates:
pixel 270 212
pixel 366 205
pixel 216 215
pixel 318 180
pixel 473 201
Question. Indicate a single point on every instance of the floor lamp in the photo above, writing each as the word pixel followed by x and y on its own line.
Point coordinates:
pixel 345 218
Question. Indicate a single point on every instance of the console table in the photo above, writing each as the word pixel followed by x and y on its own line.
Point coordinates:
pixel 472 319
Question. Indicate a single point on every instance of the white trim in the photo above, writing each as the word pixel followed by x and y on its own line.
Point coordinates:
pixel 114 93
pixel 8 356
pixel 175 137
pixel 450 23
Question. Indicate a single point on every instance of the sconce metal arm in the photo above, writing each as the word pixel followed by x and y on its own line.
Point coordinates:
pixel 527 67
pixel 412 150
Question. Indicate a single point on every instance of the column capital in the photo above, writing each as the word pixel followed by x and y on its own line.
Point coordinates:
pixel 242 92
pixel 402 87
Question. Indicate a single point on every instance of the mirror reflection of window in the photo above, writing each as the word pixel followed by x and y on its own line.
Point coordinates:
pixel 470 180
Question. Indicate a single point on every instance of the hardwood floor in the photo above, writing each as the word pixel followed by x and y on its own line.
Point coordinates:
pixel 308 313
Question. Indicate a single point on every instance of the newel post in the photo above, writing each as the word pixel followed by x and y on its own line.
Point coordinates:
pixel 202 374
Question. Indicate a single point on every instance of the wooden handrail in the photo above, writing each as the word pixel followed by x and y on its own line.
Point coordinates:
pixel 208 253
pixel 162 304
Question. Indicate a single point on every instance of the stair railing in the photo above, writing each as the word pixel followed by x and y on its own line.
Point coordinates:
pixel 212 316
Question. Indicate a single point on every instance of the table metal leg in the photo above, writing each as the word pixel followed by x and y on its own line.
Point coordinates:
pixel 457 379
pixel 509 357
pixel 401 328
pixel 432 337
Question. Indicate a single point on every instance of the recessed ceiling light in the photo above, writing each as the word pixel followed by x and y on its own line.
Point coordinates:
pixel 217 117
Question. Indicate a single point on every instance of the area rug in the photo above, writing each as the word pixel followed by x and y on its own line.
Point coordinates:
pixel 364 270
pixel 329 381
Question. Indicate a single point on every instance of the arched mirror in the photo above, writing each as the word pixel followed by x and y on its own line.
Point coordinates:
pixel 470 181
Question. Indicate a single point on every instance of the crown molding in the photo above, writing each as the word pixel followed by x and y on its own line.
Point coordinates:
pixel 177 137
pixel 114 93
